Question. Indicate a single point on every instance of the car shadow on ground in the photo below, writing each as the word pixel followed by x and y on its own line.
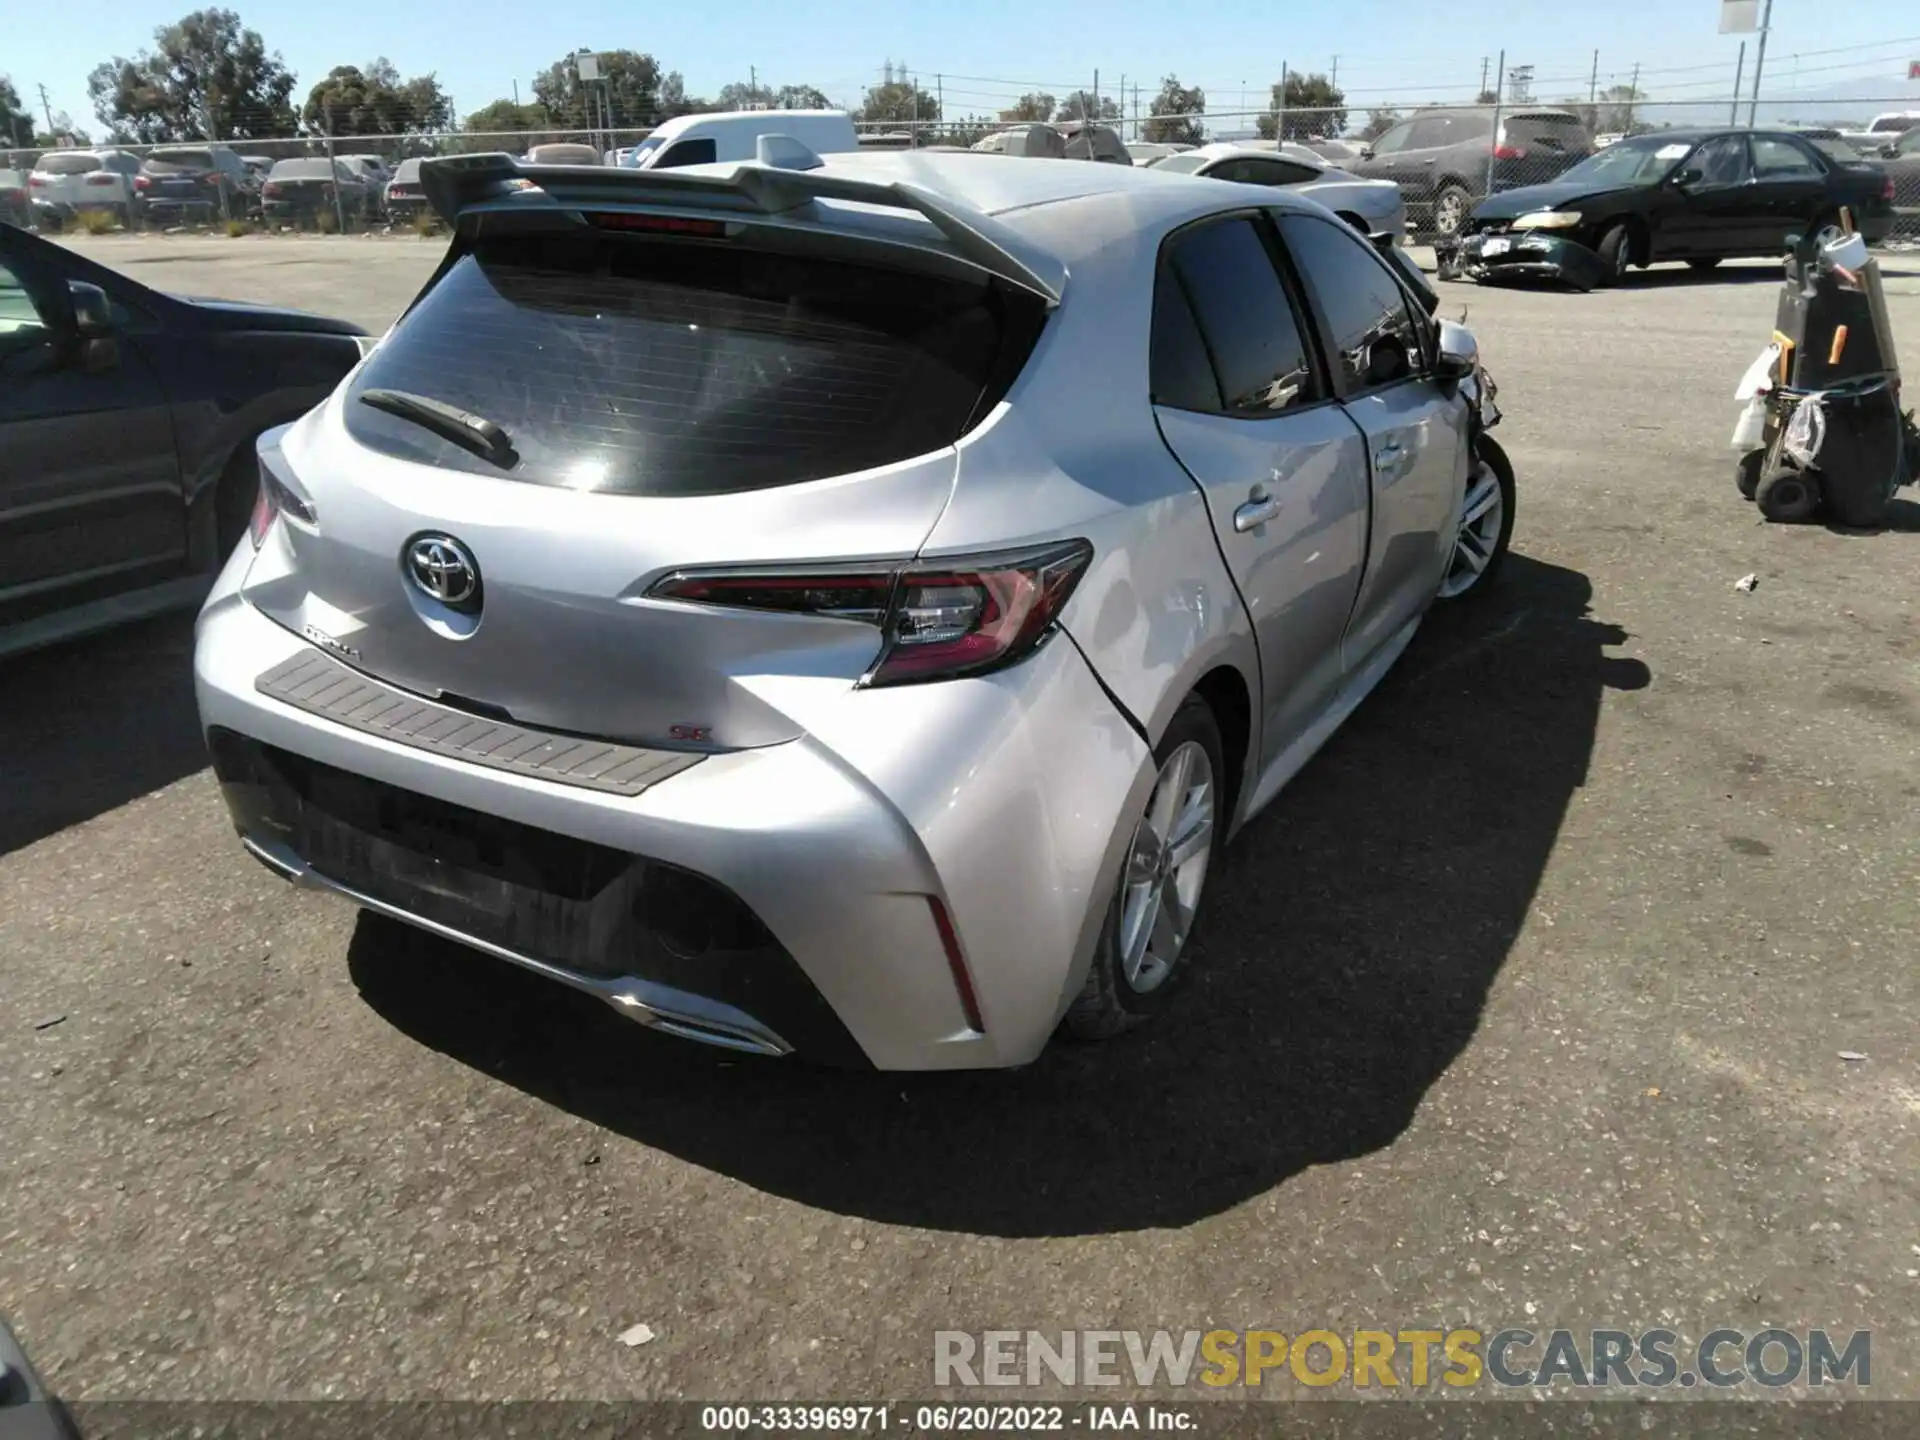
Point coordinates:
pixel 88 726
pixel 1353 933
pixel 1903 518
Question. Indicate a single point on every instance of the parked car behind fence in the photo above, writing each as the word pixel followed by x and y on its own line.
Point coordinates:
pixel 193 182
pixel 66 183
pixel 1444 161
pixel 300 191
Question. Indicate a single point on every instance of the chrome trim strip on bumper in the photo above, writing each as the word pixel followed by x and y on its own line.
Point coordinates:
pixel 658 1007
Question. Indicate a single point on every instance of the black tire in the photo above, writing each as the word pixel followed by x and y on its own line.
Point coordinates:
pixel 1452 197
pixel 1787 496
pixel 1109 1004
pixel 1704 264
pixel 1489 450
pixel 1746 473
pixel 233 501
pixel 1616 252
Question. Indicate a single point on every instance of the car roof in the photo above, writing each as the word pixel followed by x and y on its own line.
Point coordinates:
pixel 1112 201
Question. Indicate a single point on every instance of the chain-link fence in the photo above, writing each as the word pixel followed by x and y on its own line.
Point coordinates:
pixel 1445 160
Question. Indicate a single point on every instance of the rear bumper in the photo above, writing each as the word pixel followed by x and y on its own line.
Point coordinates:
pixel 998 801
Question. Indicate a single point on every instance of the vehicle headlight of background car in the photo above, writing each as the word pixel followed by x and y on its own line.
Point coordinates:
pixel 1548 220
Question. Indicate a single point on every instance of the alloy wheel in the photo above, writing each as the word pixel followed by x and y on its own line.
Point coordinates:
pixel 1448 214
pixel 1167 868
pixel 1478 540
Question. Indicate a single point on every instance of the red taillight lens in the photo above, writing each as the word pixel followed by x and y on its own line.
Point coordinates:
pixel 264 511
pixel 142 182
pixel 1509 152
pixel 270 189
pixel 1886 190
pixel 938 620
pixel 273 501
pixel 212 180
pixel 36 182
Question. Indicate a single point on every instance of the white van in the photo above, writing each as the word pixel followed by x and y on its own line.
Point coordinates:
pixel 734 135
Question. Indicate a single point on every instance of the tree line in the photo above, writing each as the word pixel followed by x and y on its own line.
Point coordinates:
pixel 209 76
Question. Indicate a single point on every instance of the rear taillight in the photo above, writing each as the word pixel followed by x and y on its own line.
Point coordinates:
pixel 273 501
pixel 664 224
pixel 142 182
pixel 938 619
pixel 1886 189
pixel 1509 152
pixel 326 192
pixel 270 189
pixel 36 182
pixel 212 180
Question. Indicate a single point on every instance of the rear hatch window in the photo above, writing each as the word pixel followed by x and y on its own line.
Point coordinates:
pixel 1561 133
pixel 68 164
pixel 179 162
pixel 302 170
pixel 638 366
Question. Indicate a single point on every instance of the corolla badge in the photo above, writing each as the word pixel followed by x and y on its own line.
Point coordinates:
pixel 443 569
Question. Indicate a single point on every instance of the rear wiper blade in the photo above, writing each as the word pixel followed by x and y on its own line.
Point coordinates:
pixel 464 428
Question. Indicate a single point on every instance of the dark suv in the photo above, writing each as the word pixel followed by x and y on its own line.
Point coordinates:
pixel 193 182
pixel 1440 158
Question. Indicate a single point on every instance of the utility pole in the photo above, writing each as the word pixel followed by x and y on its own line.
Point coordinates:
pixel 1123 101
pixel 1280 109
pixel 1633 91
pixel 1739 69
pixel 1593 85
pixel 1333 79
pixel 1096 111
pixel 1483 78
pixel 753 82
pixel 47 107
pixel 940 96
pixel 1760 60
pixel 1500 79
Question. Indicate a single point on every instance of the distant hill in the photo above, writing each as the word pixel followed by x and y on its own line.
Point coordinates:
pixel 1844 102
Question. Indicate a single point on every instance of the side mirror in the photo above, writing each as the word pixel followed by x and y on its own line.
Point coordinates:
pixel 1459 354
pixel 99 347
pixel 1366 152
pixel 1686 177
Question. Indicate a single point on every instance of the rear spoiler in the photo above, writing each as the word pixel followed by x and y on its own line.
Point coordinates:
pixel 458 185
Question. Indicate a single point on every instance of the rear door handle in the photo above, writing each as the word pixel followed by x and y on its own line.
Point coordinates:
pixel 1255 513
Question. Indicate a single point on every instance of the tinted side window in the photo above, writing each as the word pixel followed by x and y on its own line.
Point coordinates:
pixel 687 152
pixel 1393 139
pixel 1722 161
pixel 1182 373
pixel 1776 159
pixel 1430 134
pixel 1375 338
pixel 1258 349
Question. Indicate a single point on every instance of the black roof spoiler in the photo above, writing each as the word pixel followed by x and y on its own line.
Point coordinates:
pixel 462 184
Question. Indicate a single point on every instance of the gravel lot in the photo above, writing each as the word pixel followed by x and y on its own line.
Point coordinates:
pixel 1524 1006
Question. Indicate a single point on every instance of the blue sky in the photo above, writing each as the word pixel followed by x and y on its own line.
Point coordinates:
pixel 989 50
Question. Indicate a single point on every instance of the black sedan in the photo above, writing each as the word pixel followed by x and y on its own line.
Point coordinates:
pixel 1701 196
pixel 127 428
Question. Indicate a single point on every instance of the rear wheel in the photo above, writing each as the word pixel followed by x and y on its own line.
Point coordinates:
pixel 1141 956
pixel 1747 473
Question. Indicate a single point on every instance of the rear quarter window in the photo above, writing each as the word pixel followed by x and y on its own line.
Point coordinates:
pixel 638 366
pixel 168 162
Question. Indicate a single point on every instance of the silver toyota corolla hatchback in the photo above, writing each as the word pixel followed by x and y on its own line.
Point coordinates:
pixel 841 608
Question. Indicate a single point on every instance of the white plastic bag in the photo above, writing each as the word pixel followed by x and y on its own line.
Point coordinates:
pixel 1759 377
pixel 1750 431
pixel 1806 431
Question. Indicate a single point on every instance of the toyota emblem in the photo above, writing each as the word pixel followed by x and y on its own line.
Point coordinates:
pixel 443 569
